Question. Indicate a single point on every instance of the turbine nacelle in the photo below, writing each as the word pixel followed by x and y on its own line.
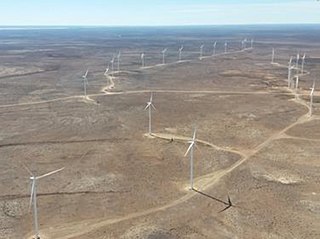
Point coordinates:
pixel 312 89
pixel 86 74
pixel 149 103
pixel 192 143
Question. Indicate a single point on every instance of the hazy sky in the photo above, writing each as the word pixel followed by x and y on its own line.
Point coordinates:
pixel 157 12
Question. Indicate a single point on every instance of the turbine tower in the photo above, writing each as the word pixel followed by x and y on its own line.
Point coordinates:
pixel 149 107
pixel 180 52
pixel 142 59
pixel 107 70
pixel 302 63
pixel 290 67
pixel 201 51
pixel 242 45
pixel 296 86
pixel 118 59
pixel 190 151
pixel 297 61
pixel 272 56
pixel 33 199
pixel 225 47
pixel 163 55
pixel 311 98
pixel 214 48
pixel 252 43
pixel 85 82
pixel 245 43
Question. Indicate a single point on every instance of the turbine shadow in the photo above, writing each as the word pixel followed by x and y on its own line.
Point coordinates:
pixel 228 204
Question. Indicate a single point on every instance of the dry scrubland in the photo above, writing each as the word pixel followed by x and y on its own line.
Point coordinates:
pixel 256 142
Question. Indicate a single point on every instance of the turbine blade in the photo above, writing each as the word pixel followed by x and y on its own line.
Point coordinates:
pixel 153 106
pixel 151 96
pixel 148 105
pixel 189 148
pixel 85 75
pixel 50 173
pixel 29 171
pixel 194 134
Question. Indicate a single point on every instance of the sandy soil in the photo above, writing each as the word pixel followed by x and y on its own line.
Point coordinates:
pixel 256 142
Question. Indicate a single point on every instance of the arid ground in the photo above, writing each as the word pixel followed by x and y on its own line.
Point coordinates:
pixel 256 142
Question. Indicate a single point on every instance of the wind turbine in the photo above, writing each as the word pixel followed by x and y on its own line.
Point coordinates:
pixel 302 63
pixel 214 48
pixel 190 151
pixel 311 98
pixel 225 47
pixel 163 55
pixel 272 56
pixel 107 70
pixel 297 61
pixel 180 52
pixel 297 85
pixel 149 107
pixel 33 198
pixel 118 59
pixel 201 51
pixel 252 43
pixel 242 45
pixel 142 59
pixel 85 82
pixel 245 43
pixel 290 67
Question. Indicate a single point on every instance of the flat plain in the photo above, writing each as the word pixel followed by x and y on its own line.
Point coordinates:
pixel 256 142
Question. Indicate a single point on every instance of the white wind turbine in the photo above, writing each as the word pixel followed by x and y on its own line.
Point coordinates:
pixel 118 61
pixel 302 63
pixel 214 48
pixel 201 51
pixel 163 55
pixel 33 198
pixel 107 70
pixel 142 59
pixel 297 85
pixel 190 151
pixel 297 61
pixel 85 82
pixel 242 45
pixel 245 43
pixel 252 43
pixel 290 67
pixel 149 107
pixel 311 98
pixel 272 56
pixel 225 47
pixel 180 52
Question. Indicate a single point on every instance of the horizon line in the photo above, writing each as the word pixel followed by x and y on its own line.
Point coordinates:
pixel 166 25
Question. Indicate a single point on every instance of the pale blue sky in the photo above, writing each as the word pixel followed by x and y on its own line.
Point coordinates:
pixel 157 12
